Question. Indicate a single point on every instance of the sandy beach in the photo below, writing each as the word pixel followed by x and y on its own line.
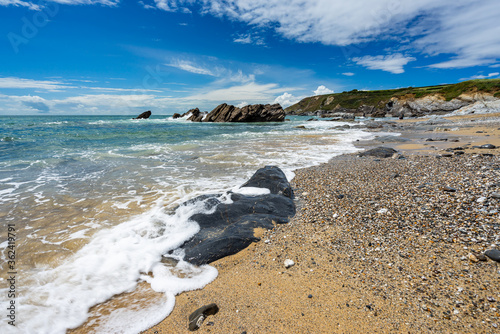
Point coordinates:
pixel 380 245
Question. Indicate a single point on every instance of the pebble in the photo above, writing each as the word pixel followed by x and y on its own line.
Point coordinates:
pixel 289 263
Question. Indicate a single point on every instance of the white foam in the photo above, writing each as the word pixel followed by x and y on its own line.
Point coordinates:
pixel 111 263
pixel 251 191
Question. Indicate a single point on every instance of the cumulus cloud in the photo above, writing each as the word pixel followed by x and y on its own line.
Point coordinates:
pixel 19 3
pixel 390 63
pixel 286 100
pixel 322 90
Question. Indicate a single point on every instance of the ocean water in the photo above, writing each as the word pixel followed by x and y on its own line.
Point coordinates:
pixel 91 204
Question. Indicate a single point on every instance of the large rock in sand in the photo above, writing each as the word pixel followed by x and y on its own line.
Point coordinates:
pixel 230 228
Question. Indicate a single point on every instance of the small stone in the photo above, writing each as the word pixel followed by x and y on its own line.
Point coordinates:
pixel 197 317
pixel 310 296
pixel 491 299
pixel 340 196
pixel 493 254
pixel 448 189
pixel 495 195
pixel 473 258
pixel 289 263
pixel 487 146
pixel 481 199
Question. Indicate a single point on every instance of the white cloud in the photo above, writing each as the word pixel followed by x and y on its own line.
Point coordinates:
pixel 18 3
pixel 465 31
pixel 20 83
pixel 322 90
pixel 482 76
pixel 37 5
pixel 190 67
pixel 242 104
pixel 390 63
pixel 287 100
pixel 249 39
pixel 348 74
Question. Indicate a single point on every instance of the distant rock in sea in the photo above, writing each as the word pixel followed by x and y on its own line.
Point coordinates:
pixel 230 113
pixel 144 115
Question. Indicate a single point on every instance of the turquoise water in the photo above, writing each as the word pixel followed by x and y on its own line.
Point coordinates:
pixel 94 203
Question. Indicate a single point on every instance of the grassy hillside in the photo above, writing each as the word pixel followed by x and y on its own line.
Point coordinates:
pixel 378 98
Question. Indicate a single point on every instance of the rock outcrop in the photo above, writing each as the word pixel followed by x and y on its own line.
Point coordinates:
pixel 250 113
pixel 230 227
pixel 144 115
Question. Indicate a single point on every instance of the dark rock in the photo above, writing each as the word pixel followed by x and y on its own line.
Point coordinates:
pixel 487 146
pixel 493 254
pixel 448 189
pixel 392 139
pixel 144 115
pixel 196 115
pixel 176 115
pixel 380 152
pixel 310 296
pixel 436 139
pixel 251 113
pixel 495 195
pixel 459 152
pixel 197 317
pixel 272 178
pixel 230 227
pixel 300 127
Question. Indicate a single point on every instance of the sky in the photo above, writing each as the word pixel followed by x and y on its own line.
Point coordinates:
pixel 117 57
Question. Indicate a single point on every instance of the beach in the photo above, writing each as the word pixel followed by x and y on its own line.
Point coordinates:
pixel 380 245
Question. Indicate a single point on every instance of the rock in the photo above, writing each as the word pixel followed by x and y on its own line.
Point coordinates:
pixel 196 115
pixel 250 113
pixel 493 254
pixel 487 146
pixel 300 127
pixel 448 189
pixel 495 195
pixel 230 227
pixel 197 317
pixel 380 152
pixel 144 115
pixel 473 258
pixel 289 263
pixel 392 139
pixel 176 115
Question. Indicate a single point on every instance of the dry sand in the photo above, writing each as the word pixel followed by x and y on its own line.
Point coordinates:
pixel 379 245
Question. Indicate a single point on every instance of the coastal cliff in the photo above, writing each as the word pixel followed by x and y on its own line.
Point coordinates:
pixel 464 97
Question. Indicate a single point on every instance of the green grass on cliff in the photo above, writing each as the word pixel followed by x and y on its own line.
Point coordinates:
pixel 378 98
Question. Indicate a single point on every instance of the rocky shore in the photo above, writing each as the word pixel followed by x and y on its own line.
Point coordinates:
pixel 379 245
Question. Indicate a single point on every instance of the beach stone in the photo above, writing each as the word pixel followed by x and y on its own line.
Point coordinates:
pixel 473 258
pixel 379 152
pixel 144 115
pixel 495 195
pixel 230 227
pixel 289 263
pixel 197 317
pixel 493 254
pixel 448 189
pixel 487 146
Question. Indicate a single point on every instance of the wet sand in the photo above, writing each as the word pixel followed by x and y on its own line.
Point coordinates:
pixel 380 245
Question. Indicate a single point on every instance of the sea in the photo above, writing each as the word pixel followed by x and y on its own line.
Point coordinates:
pixel 89 206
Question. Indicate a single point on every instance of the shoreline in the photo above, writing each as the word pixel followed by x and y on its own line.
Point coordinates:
pixel 349 276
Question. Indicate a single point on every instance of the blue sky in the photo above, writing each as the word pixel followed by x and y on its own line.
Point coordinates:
pixel 123 57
